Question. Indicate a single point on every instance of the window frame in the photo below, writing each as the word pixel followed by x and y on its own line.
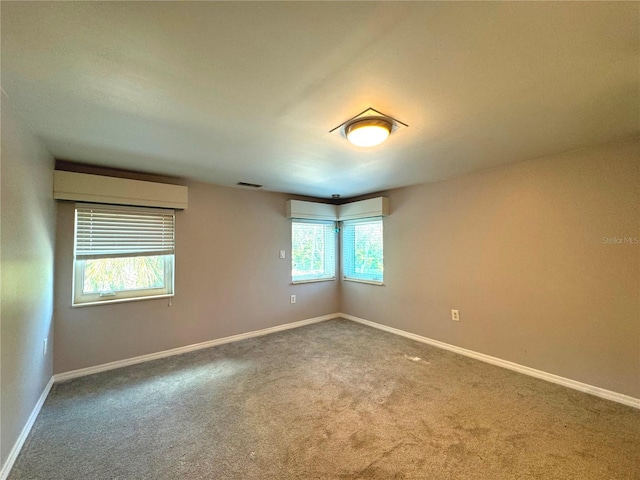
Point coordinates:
pixel 81 299
pixel 329 254
pixel 346 252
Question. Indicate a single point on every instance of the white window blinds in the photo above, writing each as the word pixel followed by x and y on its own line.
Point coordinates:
pixel 313 250
pixel 362 250
pixel 104 231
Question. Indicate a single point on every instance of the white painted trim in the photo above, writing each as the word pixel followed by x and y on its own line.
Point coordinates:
pixel 15 451
pixel 372 207
pixel 550 377
pixel 299 209
pixel 566 382
pixel 84 187
pixel 61 377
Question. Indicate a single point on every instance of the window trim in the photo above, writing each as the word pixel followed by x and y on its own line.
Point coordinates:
pixel 85 299
pixel 326 253
pixel 80 299
pixel 368 282
pixel 344 276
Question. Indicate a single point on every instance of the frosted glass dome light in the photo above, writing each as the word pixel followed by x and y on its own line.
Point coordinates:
pixel 368 132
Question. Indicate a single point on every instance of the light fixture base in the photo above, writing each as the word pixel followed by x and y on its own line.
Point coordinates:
pixel 372 116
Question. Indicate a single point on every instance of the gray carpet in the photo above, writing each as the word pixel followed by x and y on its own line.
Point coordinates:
pixel 335 400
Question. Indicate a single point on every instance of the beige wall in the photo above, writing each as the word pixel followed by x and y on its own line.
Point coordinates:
pixel 519 251
pixel 26 251
pixel 229 280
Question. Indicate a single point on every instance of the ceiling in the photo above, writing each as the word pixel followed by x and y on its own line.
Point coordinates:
pixel 224 92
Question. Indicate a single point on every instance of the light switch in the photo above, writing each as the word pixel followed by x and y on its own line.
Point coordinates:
pixel 283 254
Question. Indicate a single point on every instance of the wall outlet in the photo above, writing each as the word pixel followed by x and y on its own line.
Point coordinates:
pixel 455 315
pixel 293 299
pixel 45 346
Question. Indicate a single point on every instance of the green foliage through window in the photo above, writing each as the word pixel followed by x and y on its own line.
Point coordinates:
pixel 122 253
pixel 362 250
pixel 119 274
pixel 312 251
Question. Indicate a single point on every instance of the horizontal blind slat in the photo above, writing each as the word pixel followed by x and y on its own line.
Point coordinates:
pixel 103 231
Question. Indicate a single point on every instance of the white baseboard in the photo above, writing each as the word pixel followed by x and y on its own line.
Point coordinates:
pixel 566 382
pixel 15 451
pixel 6 468
pixel 550 377
pixel 61 377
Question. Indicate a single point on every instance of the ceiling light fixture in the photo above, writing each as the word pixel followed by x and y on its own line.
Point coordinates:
pixel 369 128
pixel 368 132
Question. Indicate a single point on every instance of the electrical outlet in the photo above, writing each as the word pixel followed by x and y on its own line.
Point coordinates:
pixel 293 299
pixel 455 315
pixel 44 346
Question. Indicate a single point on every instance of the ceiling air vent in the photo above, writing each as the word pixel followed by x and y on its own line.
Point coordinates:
pixel 250 185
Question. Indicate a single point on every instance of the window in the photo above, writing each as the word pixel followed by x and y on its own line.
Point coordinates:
pixel 362 250
pixel 313 251
pixel 122 253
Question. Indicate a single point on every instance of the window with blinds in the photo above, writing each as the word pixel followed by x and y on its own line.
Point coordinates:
pixel 313 250
pixel 122 253
pixel 362 250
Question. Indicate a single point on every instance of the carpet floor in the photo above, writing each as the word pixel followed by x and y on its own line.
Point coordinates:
pixel 334 400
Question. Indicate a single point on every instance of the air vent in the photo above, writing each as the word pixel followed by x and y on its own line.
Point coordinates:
pixel 250 185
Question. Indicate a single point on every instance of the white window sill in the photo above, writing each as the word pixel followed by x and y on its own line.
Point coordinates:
pixel 369 282
pixel 312 280
pixel 120 300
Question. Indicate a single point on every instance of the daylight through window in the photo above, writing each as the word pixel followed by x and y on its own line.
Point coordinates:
pixel 313 251
pixel 122 253
pixel 362 250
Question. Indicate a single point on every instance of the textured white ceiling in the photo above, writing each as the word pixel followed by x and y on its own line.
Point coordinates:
pixel 244 91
